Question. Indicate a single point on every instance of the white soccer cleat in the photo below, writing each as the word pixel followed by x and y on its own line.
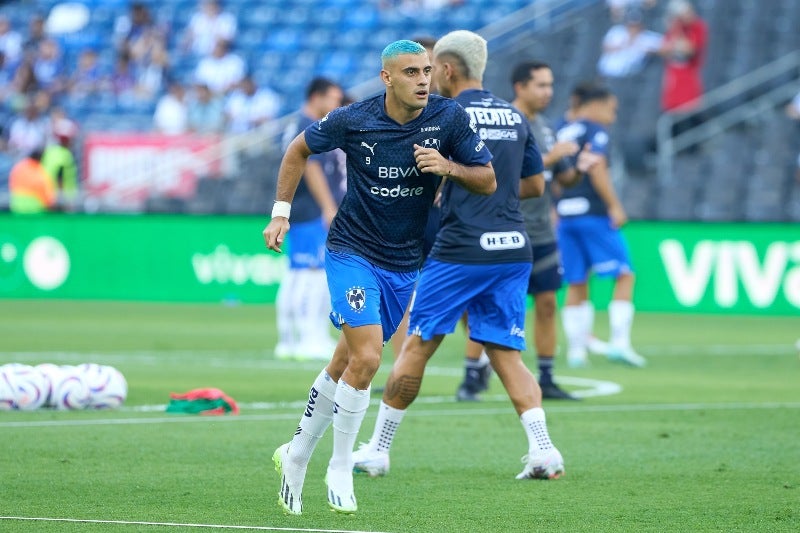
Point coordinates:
pixel 577 358
pixel 283 351
pixel 369 461
pixel 597 346
pixel 292 479
pixel 340 491
pixel 314 351
pixel 543 465
pixel 627 356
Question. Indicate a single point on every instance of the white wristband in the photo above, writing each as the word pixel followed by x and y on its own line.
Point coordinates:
pixel 281 209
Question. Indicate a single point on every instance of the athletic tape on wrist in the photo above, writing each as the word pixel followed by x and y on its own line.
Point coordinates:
pixel 281 209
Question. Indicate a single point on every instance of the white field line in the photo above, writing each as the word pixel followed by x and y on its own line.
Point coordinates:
pixel 263 359
pixel 469 412
pixel 175 524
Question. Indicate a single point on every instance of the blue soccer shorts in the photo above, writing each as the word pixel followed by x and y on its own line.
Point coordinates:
pixel 493 296
pixel 307 244
pixel 363 294
pixel 590 245
pixel 547 273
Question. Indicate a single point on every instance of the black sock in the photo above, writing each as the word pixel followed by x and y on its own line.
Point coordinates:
pixel 472 373
pixel 545 369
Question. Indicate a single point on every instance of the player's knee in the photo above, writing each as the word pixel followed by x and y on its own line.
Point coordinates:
pixel 626 279
pixel 365 361
pixel 545 307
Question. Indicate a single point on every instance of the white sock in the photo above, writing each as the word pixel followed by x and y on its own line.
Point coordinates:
pixel 284 307
pixel 533 421
pixel 483 360
pixel 386 425
pixel 620 318
pixel 319 307
pixel 302 304
pixel 587 318
pixel 572 319
pixel 351 406
pixel 317 416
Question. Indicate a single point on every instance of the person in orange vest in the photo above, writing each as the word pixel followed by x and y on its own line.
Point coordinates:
pixel 31 189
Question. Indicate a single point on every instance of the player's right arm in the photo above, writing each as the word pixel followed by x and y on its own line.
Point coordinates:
pixel 569 175
pixel 601 181
pixel 559 151
pixel 289 174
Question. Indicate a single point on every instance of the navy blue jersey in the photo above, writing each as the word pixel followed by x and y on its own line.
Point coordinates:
pixel 384 211
pixel 490 229
pixel 582 198
pixel 304 206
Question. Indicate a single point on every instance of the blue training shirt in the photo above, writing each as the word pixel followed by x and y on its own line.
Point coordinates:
pixel 384 211
pixel 490 229
pixel 582 198
pixel 304 206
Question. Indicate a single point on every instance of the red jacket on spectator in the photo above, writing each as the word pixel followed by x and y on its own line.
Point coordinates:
pixel 684 51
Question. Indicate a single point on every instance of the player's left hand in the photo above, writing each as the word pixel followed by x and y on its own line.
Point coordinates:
pixel 431 161
pixel 275 233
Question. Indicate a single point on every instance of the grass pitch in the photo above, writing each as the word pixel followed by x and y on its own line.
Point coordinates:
pixel 704 439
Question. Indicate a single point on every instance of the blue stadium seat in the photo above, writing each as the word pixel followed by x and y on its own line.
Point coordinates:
pixel 365 17
pixel 286 40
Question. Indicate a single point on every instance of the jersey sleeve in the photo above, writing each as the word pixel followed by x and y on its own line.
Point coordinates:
pixel 328 132
pixel 532 162
pixel 599 141
pixel 467 147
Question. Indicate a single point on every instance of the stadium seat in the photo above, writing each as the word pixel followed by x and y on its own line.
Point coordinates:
pixel 286 43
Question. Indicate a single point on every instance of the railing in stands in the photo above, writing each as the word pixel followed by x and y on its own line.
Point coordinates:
pixel 737 101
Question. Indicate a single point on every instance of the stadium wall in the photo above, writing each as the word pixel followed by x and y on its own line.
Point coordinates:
pixel 722 268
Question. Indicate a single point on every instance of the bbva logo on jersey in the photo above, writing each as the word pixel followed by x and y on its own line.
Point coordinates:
pixel 356 298
pixel 432 143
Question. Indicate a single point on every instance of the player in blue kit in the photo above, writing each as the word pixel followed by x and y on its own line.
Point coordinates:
pixel 398 145
pixel 480 262
pixel 303 302
pixel 590 218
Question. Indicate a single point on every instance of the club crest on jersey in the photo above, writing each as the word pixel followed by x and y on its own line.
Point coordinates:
pixel 432 143
pixel 356 298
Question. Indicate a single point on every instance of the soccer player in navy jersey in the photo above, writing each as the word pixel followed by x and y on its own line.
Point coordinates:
pixel 480 262
pixel 398 144
pixel 533 90
pixel 590 218
pixel 433 220
pixel 303 302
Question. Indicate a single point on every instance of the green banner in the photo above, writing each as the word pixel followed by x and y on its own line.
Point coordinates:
pixel 155 258
pixel 681 267
pixel 731 268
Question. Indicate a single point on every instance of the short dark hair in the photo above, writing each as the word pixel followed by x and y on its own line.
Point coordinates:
pixel 591 92
pixel 319 85
pixel 522 72
pixel 581 90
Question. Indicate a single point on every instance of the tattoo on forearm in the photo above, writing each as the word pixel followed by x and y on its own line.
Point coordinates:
pixel 404 387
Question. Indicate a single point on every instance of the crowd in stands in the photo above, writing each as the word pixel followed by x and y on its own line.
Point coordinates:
pixel 36 74
pixel 190 75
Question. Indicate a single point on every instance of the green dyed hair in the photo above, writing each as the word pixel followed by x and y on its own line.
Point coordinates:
pixel 401 47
